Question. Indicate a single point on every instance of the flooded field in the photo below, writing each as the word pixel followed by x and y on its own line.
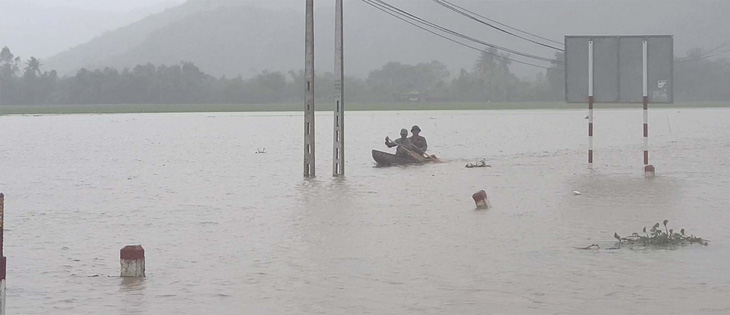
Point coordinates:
pixel 230 231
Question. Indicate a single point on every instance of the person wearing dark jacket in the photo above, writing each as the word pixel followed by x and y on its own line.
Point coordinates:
pixel 417 141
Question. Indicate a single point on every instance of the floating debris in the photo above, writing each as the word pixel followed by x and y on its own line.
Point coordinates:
pixel 482 163
pixel 656 237
pixel 576 193
pixel 259 150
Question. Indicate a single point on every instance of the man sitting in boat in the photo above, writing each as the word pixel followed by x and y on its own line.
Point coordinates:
pixel 403 143
pixel 419 142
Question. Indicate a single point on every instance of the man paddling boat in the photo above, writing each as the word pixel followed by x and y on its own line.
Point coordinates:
pixel 419 142
pixel 403 143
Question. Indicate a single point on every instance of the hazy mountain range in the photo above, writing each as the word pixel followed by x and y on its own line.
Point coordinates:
pixel 244 37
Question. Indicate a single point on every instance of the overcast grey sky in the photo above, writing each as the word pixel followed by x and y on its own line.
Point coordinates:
pixel 43 28
pixel 109 5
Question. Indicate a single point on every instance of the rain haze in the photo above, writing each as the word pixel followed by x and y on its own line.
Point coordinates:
pixel 404 157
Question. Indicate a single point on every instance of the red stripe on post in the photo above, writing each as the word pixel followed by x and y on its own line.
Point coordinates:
pixel 590 102
pixel 590 129
pixel 646 102
pixel 590 156
pixel 3 267
pixel 132 252
pixel 646 157
pixel 646 130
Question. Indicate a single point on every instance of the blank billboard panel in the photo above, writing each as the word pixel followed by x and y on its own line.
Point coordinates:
pixel 631 72
pixel 576 69
pixel 605 70
pixel 618 68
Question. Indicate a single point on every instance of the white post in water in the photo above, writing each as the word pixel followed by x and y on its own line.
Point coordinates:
pixel 338 151
pixel 132 261
pixel 3 260
pixel 590 103
pixel 309 93
pixel 649 170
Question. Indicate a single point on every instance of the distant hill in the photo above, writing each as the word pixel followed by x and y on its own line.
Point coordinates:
pixel 229 38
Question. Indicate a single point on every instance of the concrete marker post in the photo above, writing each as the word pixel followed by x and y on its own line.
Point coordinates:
pixel 481 200
pixel 132 261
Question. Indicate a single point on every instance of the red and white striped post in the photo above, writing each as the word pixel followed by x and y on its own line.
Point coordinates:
pixel 590 103
pixel 3 260
pixel 649 170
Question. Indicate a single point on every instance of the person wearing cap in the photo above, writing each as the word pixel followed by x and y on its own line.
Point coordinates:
pixel 417 141
pixel 402 142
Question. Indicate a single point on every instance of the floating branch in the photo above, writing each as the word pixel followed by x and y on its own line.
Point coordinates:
pixel 656 237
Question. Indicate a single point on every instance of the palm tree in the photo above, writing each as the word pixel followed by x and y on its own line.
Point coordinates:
pixel 33 65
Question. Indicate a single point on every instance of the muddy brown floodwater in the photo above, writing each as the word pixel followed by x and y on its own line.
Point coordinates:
pixel 230 231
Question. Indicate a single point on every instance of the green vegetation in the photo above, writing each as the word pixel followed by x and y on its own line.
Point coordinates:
pixel 395 86
pixel 658 237
pixel 655 237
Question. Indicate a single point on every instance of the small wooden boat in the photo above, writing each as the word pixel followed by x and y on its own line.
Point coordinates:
pixel 385 158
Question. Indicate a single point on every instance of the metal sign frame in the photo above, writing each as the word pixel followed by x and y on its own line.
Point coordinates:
pixel 617 68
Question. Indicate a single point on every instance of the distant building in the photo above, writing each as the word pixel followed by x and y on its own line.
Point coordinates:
pixel 415 96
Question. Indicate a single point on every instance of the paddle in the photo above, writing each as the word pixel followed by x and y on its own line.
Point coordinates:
pixel 416 156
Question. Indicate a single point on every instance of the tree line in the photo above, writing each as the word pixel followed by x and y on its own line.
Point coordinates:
pixel 490 80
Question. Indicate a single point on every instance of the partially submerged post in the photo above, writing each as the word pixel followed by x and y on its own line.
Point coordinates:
pixel 309 93
pixel 481 199
pixel 132 261
pixel 338 161
pixel 3 260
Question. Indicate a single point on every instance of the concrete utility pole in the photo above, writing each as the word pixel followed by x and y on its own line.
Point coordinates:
pixel 309 98
pixel 338 161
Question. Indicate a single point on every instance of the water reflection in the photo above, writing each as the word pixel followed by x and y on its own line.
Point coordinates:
pixel 132 294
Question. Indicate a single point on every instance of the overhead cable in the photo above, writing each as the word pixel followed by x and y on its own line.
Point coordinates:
pixel 377 6
pixel 470 15
pixel 457 34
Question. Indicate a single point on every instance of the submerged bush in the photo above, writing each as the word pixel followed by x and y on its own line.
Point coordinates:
pixel 658 237
pixel 655 237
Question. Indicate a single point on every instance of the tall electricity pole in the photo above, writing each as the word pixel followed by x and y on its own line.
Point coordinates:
pixel 338 161
pixel 309 91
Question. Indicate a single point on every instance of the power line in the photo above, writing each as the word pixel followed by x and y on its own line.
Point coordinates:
pixel 705 56
pixel 505 25
pixel 466 13
pixel 377 6
pixel 454 33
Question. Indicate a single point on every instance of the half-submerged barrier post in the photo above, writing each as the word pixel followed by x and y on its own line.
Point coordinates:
pixel 132 261
pixel 3 260
pixel 481 199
